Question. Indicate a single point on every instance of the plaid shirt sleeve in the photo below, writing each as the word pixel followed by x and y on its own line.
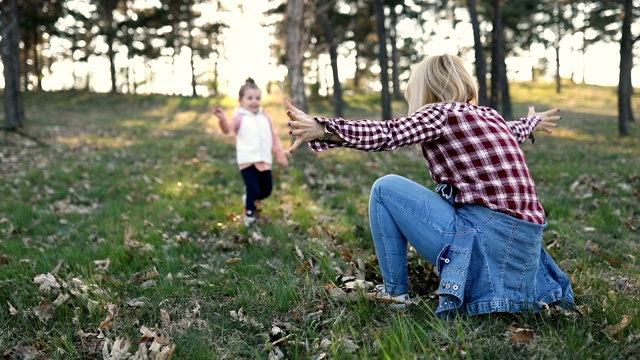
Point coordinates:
pixel 523 127
pixel 424 125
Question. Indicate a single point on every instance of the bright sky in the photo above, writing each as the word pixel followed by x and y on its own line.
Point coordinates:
pixel 248 54
pixel 247 47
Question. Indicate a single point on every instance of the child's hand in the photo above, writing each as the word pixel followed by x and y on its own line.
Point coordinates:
pixel 546 117
pixel 282 161
pixel 217 111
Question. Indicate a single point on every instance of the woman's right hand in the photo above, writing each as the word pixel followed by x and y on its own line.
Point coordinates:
pixel 547 119
pixel 302 126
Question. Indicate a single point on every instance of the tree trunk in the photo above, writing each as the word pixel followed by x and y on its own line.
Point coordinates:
pixel 24 60
pixel 215 76
pixel 36 61
pixel 481 62
pixel 383 58
pixel 356 75
pixel 295 52
pixel 534 75
pixel 395 56
pixel 556 45
pixel 625 111
pixel 505 97
pixel 134 83
pixel 324 9
pixel 191 59
pixel 558 79
pixel 10 48
pixel 497 55
pixel 112 55
pixel 507 111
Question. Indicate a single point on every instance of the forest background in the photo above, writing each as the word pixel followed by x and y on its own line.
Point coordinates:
pixel 335 46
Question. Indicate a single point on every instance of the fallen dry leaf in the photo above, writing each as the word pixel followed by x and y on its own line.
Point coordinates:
pixel 12 310
pixel 47 283
pixel 339 295
pixel 119 349
pixel 276 354
pixel 22 352
pixel 133 244
pixel 4 259
pixel 584 309
pixel 102 265
pixel 349 345
pixel 166 320
pixel 113 312
pixel 304 268
pixel 153 345
pixel 520 335
pixel 242 318
pixel 592 246
pixel 61 299
pixel 43 311
pixel 616 330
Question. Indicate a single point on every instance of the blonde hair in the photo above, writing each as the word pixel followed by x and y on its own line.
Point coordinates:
pixel 441 78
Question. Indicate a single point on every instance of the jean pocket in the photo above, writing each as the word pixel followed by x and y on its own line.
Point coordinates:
pixel 453 265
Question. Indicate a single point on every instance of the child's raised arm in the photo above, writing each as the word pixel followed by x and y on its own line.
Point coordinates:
pixel 222 119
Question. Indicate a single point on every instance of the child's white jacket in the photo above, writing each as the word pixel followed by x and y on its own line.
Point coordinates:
pixel 256 139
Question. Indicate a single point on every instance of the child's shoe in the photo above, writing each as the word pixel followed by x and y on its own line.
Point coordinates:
pixel 258 211
pixel 398 302
pixel 249 220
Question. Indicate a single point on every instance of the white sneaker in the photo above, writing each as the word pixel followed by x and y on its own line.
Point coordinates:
pixel 248 220
pixel 398 302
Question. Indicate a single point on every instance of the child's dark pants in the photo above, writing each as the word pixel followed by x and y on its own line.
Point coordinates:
pixel 258 185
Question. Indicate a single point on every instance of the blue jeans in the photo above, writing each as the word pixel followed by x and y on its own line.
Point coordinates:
pixel 488 261
pixel 404 212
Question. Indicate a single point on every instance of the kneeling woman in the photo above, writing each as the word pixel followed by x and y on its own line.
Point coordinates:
pixel 482 226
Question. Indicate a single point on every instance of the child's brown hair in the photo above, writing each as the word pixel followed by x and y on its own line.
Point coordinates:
pixel 248 84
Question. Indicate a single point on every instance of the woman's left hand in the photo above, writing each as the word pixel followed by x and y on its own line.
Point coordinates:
pixel 302 126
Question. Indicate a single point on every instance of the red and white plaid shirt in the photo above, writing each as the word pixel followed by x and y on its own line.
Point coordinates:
pixel 471 147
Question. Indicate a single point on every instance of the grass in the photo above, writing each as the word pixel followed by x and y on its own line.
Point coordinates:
pixel 133 212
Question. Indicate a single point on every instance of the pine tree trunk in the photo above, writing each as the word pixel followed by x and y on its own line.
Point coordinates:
pixel 9 47
pixel 356 75
pixel 36 62
pixel 625 111
pixel 295 52
pixel 323 9
pixel 507 111
pixel 497 55
pixel 481 62
pixel 395 56
pixel 112 56
pixel 558 79
pixel 191 58
pixel 383 59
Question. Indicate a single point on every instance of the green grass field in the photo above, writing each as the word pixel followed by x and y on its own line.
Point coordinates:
pixel 122 238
